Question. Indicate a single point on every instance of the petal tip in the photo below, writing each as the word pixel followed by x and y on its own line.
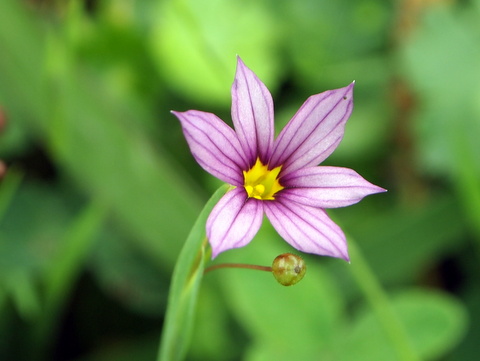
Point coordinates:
pixel 178 114
pixel 239 59
pixel 242 70
pixel 350 87
pixel 341 251
pixel 345 257
pixel 240 63
pixel 377 189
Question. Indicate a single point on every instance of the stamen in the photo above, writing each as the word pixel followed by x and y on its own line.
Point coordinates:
pixel 259 189
pixel 262 183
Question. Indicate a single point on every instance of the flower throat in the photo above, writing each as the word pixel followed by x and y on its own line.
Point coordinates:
pixel 262 183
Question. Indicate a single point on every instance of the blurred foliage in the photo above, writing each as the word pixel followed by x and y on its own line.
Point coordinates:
pixel 101 191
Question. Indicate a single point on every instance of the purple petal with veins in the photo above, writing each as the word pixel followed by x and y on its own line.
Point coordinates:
pixel 234 221
pixel 308 229
pixel 214 145
pixel 252 114
pixel 314 131
pixel 326 187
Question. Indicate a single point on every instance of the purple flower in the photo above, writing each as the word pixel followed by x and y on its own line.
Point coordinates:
pixel 278 177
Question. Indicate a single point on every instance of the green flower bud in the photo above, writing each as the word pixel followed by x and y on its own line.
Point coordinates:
pixel 288 269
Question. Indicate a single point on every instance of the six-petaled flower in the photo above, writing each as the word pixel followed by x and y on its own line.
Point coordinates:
pixel 279 177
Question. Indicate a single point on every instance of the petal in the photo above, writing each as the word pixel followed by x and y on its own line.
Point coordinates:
pixel 252 114
pixel 326 187
pixel 306 228
pixel 314 131
pixel 234 221
pixel 214 145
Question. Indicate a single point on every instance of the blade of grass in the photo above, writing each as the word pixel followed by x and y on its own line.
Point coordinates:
pixel 8 187
pixel 467 181
pixel 63 270
pixel 186 279
pixel 378 300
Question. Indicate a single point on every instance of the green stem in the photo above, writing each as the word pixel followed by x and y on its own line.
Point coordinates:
pixel 380 304
pixel 467 180
pixel 238 265
pixel 184 288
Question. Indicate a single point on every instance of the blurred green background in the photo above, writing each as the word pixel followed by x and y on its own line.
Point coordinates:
pixel 101 190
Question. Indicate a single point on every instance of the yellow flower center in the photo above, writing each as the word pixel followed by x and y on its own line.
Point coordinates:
pixel 260 182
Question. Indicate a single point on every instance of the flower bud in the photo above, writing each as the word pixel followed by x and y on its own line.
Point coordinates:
pixel 288 269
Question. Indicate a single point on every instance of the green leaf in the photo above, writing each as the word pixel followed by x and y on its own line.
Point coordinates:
pixel 22 82
pixel 28 250
pixel 213 318
pixel 65 266
pixel 398 242
pixel 450 89
pixel 128 275
pixel 8 188
pixel 323 37
pixel 435 322
pixel 447 125
pixel 195 43
pixel 107 151
pixel 186 279
pixel 24 293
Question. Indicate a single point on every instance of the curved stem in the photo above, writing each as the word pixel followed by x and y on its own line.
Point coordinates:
pixel 184 289
pixel 378 300
pixel 238 265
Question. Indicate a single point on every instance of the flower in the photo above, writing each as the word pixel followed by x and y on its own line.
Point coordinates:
pixel 278 177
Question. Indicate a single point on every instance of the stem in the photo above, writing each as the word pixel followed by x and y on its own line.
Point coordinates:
pixel 380 304
pixel 184 289
pixel 238 265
